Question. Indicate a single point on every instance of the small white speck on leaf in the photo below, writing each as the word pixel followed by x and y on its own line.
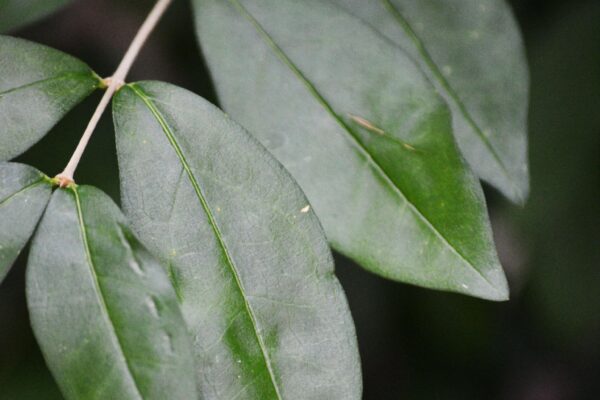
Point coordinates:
pixel 151 304
pixel 133 264
pixel 306 209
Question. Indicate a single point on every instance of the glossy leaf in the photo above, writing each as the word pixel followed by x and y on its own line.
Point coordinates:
pixel 102 308
pixel 24 193
pixel 247 254
pixel 364 133
pixel 472 50
pixel 38 86
pixel 15 13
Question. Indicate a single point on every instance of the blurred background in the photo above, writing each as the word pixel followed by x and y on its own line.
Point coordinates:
pixel 544 344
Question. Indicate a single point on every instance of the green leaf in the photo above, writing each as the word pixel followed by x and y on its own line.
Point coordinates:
pixel 24 193
pixel 102 308
pixel 38 86
pixel 473 52
pixel 15 13
pixel 249 259
pixel 364 133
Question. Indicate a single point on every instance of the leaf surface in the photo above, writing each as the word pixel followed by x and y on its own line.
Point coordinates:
pixel 38 86
pixel 24 193
pixel 363 132
pixel 473 52
pixel 252 267
pixel 102 308
pixel 16 13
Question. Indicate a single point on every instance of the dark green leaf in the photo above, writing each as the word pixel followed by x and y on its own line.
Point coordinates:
pixel 102 308
pixel 24 193
pixel 15 13
pixel 364 133
pixel 38 86
pixel 247 254
pixel 473 52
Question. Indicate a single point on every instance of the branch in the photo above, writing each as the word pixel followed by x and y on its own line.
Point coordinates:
pixel 114 83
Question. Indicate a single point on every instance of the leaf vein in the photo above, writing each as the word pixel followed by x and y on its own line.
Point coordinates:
pixel 358 145
pixel 201 197
pixel 435 69
pixel 98 289
pixel 18 192
pixel 50 79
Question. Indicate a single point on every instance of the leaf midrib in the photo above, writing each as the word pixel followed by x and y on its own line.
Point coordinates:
pixel 358 145
pixel 201 197
pixel 100 293
pixel 66 75
pixel 23 189
pixel 437 73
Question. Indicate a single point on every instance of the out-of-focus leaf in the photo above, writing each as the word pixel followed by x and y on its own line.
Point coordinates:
pixel 102 308
pixel 38 86
pixel 473 52
pixel 24 193
pixel 250 261
pixel 15 13
pixel 364 133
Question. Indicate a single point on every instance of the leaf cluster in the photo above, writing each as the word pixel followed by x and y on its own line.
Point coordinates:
pixel 375 119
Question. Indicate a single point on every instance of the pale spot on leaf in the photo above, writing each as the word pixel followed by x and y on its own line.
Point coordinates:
pixel 365 123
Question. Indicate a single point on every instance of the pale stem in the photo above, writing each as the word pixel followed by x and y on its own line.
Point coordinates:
pixel 114 83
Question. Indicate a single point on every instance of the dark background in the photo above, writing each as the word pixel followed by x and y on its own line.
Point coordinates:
pixel 544 344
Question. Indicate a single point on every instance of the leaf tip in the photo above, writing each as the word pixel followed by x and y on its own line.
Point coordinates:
pixel 497 290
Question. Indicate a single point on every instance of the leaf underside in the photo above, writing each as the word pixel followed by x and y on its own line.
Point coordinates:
pixel 245 252
pixel 38 86
pixel 472 50
pixel 24 193
pixel 16 13
pixel 363 132
pixel 103 310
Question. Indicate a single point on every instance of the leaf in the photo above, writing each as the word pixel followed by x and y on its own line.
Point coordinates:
pixel 24 193
pixel 473 52
pixel 364 133
pixel 102 308
pixel 15 13
pixel 38 86
pixel 249 259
